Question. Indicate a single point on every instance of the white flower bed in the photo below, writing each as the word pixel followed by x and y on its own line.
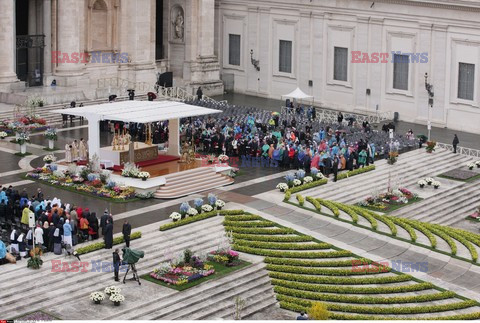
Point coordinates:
pixel 422 182
pixel 117 298
pixel 436 184
pixel 297 182
pixel 308 179
pixel 192 212
pixel 97 296
pixel 220 203
pixel 112 290
pixel 207 208
pixel 282 187
pixel 175 216
pixel 143 175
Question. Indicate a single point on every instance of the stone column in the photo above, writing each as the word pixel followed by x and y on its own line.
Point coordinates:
pixel 173 137
pixel 47 31
pixel 8 42
pixel 203 68
pixel 68 41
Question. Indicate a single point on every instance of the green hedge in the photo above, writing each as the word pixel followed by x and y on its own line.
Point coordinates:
pixel 443 235
pixel 350 289
pixel 384 219
pixel 363 299
pixel 307 186
pixel 245 217
pixel 314 202
pixel 287 196
pixel 188 220
pixel 470 236
pixel 272 231
pixel 282 246
pixel 366 215
pixel 292 254
pixel 101 245
pixel 321 271
pixel 354 172
pixel 313 263
pixel 300 199
pixel 340 316
pixel 249 224
pixel 459 238
pixel 407 227
pixel 384 310
pixel 272 238
pixel 329 205
pixel 231 212
pixel 345 208
pixel 423 228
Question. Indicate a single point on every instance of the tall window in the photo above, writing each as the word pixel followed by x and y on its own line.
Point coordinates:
pixel 234 49
pixel 400 72
pixel 285 61
pixel 340 64
pixel 466 81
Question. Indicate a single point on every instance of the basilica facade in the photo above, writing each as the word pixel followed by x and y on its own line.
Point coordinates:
pixel 352 55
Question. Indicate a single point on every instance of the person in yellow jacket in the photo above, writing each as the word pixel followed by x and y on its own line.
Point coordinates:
pixel 25 213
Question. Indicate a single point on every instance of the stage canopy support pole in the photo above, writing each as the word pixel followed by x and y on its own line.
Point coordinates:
pixel 173 137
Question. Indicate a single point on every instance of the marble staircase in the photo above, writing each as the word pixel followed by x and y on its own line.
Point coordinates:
pixel 191 181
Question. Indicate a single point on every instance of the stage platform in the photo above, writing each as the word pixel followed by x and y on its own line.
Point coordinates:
pixel 161 159
pixel 142 153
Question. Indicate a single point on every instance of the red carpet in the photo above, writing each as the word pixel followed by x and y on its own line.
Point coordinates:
pixel 159 160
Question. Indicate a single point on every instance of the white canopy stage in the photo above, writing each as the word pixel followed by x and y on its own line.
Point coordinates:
pixel 298 94
pixel 138 112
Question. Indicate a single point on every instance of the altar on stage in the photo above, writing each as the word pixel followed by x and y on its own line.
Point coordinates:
pixel 142 152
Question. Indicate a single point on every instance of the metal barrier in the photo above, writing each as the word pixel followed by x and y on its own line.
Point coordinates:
pixel 331 116
pixel 460 150
pixel 116 82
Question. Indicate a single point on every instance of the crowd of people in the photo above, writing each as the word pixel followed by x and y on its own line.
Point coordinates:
pixel 58 226
pixel 293 139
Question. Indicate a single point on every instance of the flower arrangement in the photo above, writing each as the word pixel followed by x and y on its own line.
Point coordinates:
pixel 3 134
pixel 182 269
pixel 223 158
pixel 211 159
pixel 112 290
pixel 289 178
pixel 97 297
pixel 392 157
pixel 320 176
pixel 224 257
pixel 384 201
pixel 429 180
pixel 192 212
pixel 143 175
pixel 184 207
pixel 308 179
pixel 49 159
pixel 198 202
pixel 282 187
pixel 422 183
pixel 80 181
pixel 130 170
pixel 35 101
pixel 297 182
pixel 300 174
pixel 117 299
pixel 212 199
pixel 476 163
pixel 436 184
pixel 431 146
pixel 175 216
pixel 313 172
pixel 471 165
pixel 51 134
pixel 207 208
pixel 23 138
pixel 219 204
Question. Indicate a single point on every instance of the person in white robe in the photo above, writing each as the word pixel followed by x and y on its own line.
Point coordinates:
pixel 68 153
pixel 75 150
pixel 83 150
pixel 38 235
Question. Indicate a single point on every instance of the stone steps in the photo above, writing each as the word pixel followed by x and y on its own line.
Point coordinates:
pixel 198 300
pixel 415 160
pixel 194 181
pixel 362 190
pixel 41 290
